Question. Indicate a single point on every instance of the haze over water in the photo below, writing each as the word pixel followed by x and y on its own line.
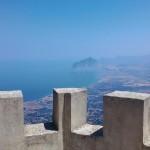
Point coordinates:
pixel 39 40
pixel 37 79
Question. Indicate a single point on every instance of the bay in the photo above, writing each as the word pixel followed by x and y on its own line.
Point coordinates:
pixel 37 79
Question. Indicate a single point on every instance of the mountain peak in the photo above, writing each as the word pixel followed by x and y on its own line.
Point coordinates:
pixel 87 63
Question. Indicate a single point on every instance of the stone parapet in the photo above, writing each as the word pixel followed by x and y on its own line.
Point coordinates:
pixel 126 123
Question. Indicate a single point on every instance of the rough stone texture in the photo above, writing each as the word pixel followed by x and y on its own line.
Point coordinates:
pixel 70 111
pixel 11 121
pixel 123 120
pixel 146 126
pixel 39 138
pixel 87 129
pixel 37 129
pixel 126 123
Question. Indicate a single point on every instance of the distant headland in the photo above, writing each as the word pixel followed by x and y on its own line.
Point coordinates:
pixel 86 64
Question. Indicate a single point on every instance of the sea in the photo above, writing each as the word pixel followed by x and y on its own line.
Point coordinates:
pixel 37 79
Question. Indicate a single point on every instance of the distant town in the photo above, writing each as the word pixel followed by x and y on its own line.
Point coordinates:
pixel 122 73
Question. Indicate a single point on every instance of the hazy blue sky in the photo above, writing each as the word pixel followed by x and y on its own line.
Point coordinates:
pixel 73 29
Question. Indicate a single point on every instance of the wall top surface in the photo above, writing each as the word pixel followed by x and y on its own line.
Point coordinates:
pixel 69 90
pixel 10 94
pixel 129 95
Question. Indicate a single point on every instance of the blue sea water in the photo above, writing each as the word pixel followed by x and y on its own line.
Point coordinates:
pixel 37 78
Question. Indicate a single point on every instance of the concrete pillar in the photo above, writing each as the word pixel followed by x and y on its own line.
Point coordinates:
pixel 70 111
pixel 123 120
pixel 146 126
pixel 11 121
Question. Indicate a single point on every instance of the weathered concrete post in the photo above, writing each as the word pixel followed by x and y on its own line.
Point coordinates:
pixel 123 120
pixel 11 121
pixel 70 111
pixel 146 126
